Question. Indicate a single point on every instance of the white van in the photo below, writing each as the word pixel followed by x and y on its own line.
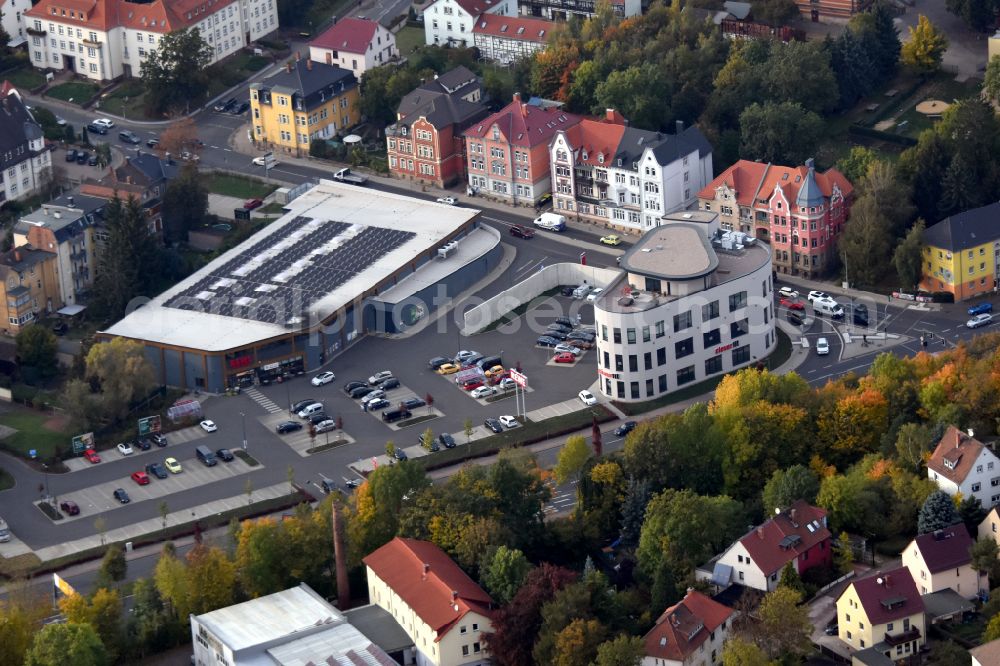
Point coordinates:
pixel 551 222
pixel 581 291
pixel 309 410
pixel 829 307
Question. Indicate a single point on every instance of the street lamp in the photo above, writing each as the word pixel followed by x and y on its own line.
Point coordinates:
pixel 243 417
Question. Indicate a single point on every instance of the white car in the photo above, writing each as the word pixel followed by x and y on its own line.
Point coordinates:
pixel 587 397
pixel 566 347
pixel 979 320
pixel 323 378
pixel 125 449
pixel 788 292
pixel 374 395
pixel 482 392
pixel 822 346
pixel 508 421
pixel 594 295
pixel 208 425
pixel 464 355
pixel 449 201
pixel 379 376
pixel 506 384
pixel 326 426
pixel 104 122
pixel 260 161
pixel 818 295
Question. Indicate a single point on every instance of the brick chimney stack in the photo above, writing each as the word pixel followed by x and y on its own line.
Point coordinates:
pixel 340 560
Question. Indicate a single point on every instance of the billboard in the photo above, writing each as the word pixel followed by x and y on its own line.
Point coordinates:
pixel 519 378
pixel 83 442
pixel 149 424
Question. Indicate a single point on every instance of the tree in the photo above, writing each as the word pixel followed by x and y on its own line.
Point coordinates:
pixel 980 15
pixel 991 84
pixel 113 566
pixel 58 644
pixel 633 511
pixel 624 650
pixel 103 155
pixel 937 513
pixel 572 457
pixel 798 482
pixel 774 12
pixel 377 504
pixel 784 627
pixel 122 373
pixel 128 266
pixel 467 429
pixel 925 48
pixel 908 257
pixel 577 643
pixel 866 237
pixel 174 74
pixel 947 653
pixel 149 625
pixel 971 513
pixel 844 553
pixel 740 652
pixel 36 349
pixel 856 164
pixel 171 580
pixel 427 439
pixel 992 631
pixel 503 572
pixel 783 133
pixel 179 136
pixel 21 614
pixel 185 204
pixel 211 579
pixel 984 554
pixel 790 578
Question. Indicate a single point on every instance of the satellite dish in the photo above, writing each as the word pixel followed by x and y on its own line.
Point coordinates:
pixel 777 510
pixel 455 607
pixel 879 580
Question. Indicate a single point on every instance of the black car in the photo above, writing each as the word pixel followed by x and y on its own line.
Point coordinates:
pixel 859 312
pixel 564 321
pixel 580 334
pixel 350 386
pixel 566 291
pixel 412 403
pixel 225 455
pixel 71 155
pixel 92 160
pixel 447 441
pixel 437 362
pixel 97 129
pixel 393 415
pixel 390 383
pixel 560 328
pixel 377 403
pixel 158 439
pixel 401 455
pixel 286 427
pixel 557 335
pixel 241 109
pixel 157 470
pixel 60 328
pixel 222 107
pixel 318 418
pixel 302 404
pixel 380 383
pixel 493 424
pixel 472 360
pixel 546 341
pixel 128 136
pixel 361 391
pixel 122 496
pixel 82 156
pixel 522 232
pixel 152 143
pixel 625 428
pixel 793 319
pixel 144 443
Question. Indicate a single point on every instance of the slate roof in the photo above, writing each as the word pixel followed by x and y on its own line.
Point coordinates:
pixel 429 582
pixel 525 125
pixel 945 549
pixel 17 127
pixel 76 212
pixel 22 258
pixel 786 536
pixel 894 598
pixel 967 229
pixel 353 35
pixel 810 193
pixel 442 100
pixel 313 82
pixel 475 7
pixel 955 455
pixel 685 626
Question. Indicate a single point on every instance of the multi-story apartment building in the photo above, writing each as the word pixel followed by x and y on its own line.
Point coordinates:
pixel 355 44
pixel 69 226
pixel 443 611
pixel 685 307
pixel 961 254
pixel 799 211
pixel 143 176
pixel 883 613
pixel 562 10
pixel 508 152
pixel 306 101
pixel 25 160
pixel 30 286
pixel 10 16
pixel 942 560
pixel 689 633
pixel 506 39
pixel 450 22
pixel 834 11
pixel 614 175
pixel 106 39
pixel 426 144
pixel 961 464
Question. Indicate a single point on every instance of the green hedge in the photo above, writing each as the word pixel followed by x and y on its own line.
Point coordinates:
pixel 861 130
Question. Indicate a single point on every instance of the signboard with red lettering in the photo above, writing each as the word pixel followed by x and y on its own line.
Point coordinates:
pixel 519 378
pixel 724 348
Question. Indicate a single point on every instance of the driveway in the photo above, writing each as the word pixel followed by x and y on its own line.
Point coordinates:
pixel 966 52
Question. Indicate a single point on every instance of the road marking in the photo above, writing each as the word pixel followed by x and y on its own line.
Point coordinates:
pixel 525 266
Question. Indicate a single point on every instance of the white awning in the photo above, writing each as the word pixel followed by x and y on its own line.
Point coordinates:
pixel 71 310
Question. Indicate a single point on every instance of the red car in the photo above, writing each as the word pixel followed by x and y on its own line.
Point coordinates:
pixel 499 378
pixel 141 478
pixel 522 231
pixel 791 305
pixel 565 357
pixel 70 507
pixel 91 455
pixel 472 384
pixel 250 204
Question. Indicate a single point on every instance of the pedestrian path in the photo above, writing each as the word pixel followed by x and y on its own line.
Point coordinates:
pixel 269 405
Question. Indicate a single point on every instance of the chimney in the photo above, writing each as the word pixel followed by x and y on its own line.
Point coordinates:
pixel 679 124
pixel 288 66
pixel 70 199
pixel 309 65
pixel 454 595
pixel 517 97
pixel 791 515
pixel 524 110
pixel 340 560
pixel 17 256
pixel 971 433
pixel 427 568
pixel 760 533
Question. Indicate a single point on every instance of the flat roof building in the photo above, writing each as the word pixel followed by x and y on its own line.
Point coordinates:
pixel 692 302
pixel 341 262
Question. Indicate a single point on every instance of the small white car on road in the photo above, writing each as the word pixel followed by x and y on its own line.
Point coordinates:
pixel 587 397
pixel 104 122
pixel 125 449
pixel 979 320
pixel 594 295
pixel 822 346
pixel 788 292
pixel 449 201
pixel 208 425
pixel 323 378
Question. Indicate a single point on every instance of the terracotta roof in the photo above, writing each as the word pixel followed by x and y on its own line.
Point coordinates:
pixel 514 27
pixel 756 180
pixel 349 34
pixel 157 16
pixel 429 582
pixel 475 7
pixel 945 549
pixel 684 626
pixel 893 598
pixel 955 455
pixel 594 137
pixel 783 538
pixel 988 653
pixel 525 125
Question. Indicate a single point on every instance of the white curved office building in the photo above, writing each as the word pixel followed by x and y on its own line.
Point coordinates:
pixel 692 302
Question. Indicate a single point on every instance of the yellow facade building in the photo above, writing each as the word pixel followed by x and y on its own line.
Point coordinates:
pixel 30 287
pixel 306 101
pixel 883 613
pixel 961 253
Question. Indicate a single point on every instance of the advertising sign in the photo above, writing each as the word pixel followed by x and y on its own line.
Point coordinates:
pixel 519 378
pixel 83 442
pixel 149 424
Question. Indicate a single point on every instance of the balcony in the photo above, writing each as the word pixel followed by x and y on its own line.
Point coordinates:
pixel 93 44
pixel 901 637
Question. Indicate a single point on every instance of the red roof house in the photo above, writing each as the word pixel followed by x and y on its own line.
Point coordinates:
pixel 693 622
pixel 355 44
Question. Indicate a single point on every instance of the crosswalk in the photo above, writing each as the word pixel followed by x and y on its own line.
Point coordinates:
pixel 269 405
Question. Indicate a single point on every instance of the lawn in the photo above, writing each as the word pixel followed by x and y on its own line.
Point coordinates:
pixel 408 39
pixel 32 433
pixel 241 187
pixel 126 100
pixel 27 77
pixel 76 92
pixel 911 123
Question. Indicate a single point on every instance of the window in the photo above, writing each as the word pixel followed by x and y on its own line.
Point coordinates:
pixel 660 329
pixel 682 321
pixel 685 375
pixel 630 333
pixel 647 361
pixel 737 301
pixel 711 338
pixel 976 487
pixel 662 380
pixel 713 365
pixel 633 363
pixel 741 355
pixel 710 311
pixel 617 336
pixel 738 328
pixel 619 364
pixel 661 356
pixel 684 348
pixel 465 650
pixel 604 332
pixel 645 333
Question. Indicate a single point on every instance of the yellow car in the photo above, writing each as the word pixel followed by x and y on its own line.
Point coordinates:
pixel 447 369
pixel 495 371
pixel 173 465
pixel 611 240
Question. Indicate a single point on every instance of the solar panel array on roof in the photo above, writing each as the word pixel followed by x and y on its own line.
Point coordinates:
pixel 280 277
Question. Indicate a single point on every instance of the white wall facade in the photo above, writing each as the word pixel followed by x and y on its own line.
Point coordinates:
pixel 23 179
pixel 446 22
pixel 964 579
pixel 11 19
pixel 504 49
pixel 641 356
pixel 709 653
pixel 982 482
pixel 380 50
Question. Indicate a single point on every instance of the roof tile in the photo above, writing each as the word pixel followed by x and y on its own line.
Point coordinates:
pixel 349 34
pixel 893 598
pixel 685 626
pixel 945 549
pixel 783 538
pixel 954 455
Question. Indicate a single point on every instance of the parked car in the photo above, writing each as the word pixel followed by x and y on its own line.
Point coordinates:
pixel 546 341
pixel 159 439
pixel 980 308
pixel 401 455
pixel 509 421
pixel 222 107
pixel 561 328
pixel 379 376
pixel 140 478
pixel 125 449
pixel 587 397
pixel 506 384
pixel 580 343
pixel 412 403
pixel 495 371
pixel 493 424
pixel 241 109
pixel 522 231
pixel 286 427
pixel 377 394
pixel 791 305
pixel 788 292
pixel 157 470
pixel 318 417
pixel 382 381
pixel 388 384
pixel 564 357
pixel 392 415
pixel 69 507
pixel 208 425
pixel 348 387
pixel 447 369
pixel 326 426
pixel 225 455
pixel 82 156
pixel 360 392
pixel 250 204
pixel 121 496
pixel 822 346
pixel 470 384
pixel 465 355
pixel 611 239
pixel 625 428
pixel 71 155
pixel 447 441
pixel 594 295
pixel 482 392
pixel 152 143
pixel 323 378
pixel 437 362
pixel 566 291
pixel 448 201
pixel 377 403
pixel 859 314
pixel 173 466
pixel 979 320
pixel 567 348
pixel 92 160
pixel 558 336
pixel 91 456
